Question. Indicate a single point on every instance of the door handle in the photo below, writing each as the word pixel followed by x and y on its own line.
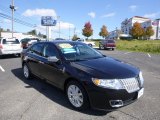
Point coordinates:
pixel 41 62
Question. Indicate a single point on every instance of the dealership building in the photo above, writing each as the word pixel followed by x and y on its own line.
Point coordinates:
pixel 127 25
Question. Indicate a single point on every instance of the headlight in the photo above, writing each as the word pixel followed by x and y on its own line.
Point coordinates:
pixel 108 83
pixel 141 78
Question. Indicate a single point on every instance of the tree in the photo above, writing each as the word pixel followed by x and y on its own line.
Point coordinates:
pixel 104 33
pixel 137 30
pixel 39 34
pixel 1 30
pixel 87 31
pixel 75 37
pixel 149 32
pixel 32 32
pixel 8 30
pixel 44 36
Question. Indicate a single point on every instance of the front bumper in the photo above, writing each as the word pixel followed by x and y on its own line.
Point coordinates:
pixel 101 98
pixel 110 47
pixel 8 52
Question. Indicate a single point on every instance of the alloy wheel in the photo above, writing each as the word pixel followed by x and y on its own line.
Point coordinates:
pixel 75 96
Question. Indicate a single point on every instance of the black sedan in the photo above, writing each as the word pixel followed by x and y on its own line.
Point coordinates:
pixel 87 77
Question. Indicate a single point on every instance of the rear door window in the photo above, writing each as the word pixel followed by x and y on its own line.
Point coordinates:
pixel 49 51
pixel 37 49
pixel 8 41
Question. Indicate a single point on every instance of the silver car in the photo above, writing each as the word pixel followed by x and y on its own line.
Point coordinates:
pixel 10 46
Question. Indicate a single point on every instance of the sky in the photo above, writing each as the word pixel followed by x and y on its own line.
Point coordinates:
pixel 73 14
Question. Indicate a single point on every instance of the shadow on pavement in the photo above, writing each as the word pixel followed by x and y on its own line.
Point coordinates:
pixel 8 56
pixel 53 93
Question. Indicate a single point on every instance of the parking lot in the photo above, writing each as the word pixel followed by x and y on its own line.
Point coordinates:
pixel 22 99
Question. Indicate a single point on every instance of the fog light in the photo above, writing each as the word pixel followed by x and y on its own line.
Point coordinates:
pixel 116 103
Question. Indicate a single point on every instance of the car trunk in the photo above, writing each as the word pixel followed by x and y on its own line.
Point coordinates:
pixel 110 45
pixel 11 45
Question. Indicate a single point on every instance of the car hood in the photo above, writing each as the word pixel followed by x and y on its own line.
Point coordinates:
pixel 107 68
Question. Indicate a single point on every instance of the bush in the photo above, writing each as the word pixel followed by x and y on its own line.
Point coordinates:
pixel 151 46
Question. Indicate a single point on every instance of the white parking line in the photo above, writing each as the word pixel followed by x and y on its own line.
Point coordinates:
pixel 2 69
pixel 127 52
pixel 149 55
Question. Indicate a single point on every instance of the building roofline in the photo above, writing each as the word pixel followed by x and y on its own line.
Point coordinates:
pixel 139 17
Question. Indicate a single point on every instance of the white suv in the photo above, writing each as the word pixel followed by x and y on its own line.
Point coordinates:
pixel 10 46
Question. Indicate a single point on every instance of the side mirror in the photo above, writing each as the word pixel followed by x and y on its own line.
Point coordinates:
pixel 53 59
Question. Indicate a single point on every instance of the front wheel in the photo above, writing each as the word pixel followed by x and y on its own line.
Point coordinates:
pixel 77 96
pixel 101 47
pixel 90 45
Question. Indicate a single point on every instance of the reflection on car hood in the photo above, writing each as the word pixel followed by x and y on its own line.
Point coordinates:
pixel 107 67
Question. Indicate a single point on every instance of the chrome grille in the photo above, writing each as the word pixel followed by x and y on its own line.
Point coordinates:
pixel 130 84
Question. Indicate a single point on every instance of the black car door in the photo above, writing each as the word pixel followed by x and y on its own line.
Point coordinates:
pixel 53 72
pixel 35 58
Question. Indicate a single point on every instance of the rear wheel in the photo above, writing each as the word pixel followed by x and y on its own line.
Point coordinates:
pixel 1 56
pixel 101 47
pixel 77 96
pixel 26 72
pixel 112 48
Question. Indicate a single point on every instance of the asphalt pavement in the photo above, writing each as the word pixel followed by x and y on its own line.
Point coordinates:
pixel 22 99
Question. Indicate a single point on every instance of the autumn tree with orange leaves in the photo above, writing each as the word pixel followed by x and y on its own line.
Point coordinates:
pixel 87 31
pixel 137 31
pixel 149 32
pixel 104 33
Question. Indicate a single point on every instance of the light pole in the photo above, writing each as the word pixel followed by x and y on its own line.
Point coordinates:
pixel 12 7
pixel 59 27
pixel 69 31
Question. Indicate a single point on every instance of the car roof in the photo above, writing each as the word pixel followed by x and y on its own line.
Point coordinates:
pixel 59 41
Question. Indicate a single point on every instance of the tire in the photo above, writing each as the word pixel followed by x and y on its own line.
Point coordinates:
pixel 79 100
pixel 101 47
pixel 90 45
pixel 112 49
pixel 18 55
pixel 1 56
pixel 26 72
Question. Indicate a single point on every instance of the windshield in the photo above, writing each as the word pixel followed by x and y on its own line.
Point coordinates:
pixel 78 52
pixel 111 41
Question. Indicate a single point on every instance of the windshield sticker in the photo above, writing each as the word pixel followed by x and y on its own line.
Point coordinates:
pixel 65 45
pixel 68 50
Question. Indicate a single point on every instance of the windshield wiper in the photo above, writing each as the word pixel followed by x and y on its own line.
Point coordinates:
pixel 76 60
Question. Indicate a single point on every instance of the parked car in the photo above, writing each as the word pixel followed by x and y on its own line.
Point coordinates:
pixel 59 39
pixel 26 42
pixel 88 77
pixel 107 44
pixel 89 43
pixel 10 46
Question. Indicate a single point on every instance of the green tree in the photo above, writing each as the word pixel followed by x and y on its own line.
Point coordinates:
pixel 137 31
pixel 39 34
pixel 32 32
pixel 75 37
pixel 87 31
pixel 104 33
pixel 8 30
pixel 149 32
pixel 44 36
